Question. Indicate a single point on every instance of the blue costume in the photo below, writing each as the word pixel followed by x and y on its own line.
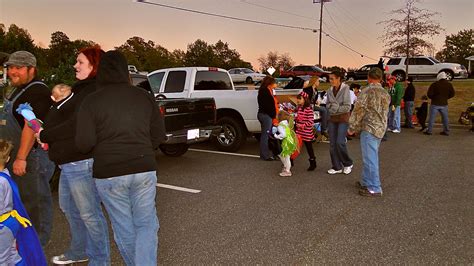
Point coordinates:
pixel 17 221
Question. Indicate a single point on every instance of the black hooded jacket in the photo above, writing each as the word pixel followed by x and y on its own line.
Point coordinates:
pixel 60 125
pixel 120 123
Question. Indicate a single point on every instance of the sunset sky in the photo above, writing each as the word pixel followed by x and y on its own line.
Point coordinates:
pixel 111 22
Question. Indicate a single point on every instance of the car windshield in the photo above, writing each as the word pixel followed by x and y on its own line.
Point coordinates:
pixel 317 69
pixel 434 60
pixel 248 71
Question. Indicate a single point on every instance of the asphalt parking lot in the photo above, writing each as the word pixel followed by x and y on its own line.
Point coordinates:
pixel 244 213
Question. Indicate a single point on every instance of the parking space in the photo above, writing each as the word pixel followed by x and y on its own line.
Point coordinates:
pixel 244 213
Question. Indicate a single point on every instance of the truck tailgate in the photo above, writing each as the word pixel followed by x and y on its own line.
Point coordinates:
pixel 187 113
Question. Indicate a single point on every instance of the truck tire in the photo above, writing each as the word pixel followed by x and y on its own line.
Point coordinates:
pixel 232 136
pixel 174 150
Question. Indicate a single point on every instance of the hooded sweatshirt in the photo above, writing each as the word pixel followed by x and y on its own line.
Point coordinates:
pixel 120 123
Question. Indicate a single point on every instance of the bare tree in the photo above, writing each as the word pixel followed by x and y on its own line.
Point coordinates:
pixel 406 32
pixel 273 59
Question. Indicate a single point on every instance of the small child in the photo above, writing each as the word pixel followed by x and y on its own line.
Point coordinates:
pixel 304 126
pixel 289 141
pixel 19 244
pixel 422 112
pixel 60 92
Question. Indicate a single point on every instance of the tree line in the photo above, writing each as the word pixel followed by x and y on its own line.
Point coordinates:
pixel 55 62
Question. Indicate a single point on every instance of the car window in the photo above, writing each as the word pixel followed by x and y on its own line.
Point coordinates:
pixel 423 61
pixel 248 71
pixel 410 61
pixel 175 81
pixel 155 81
pixel 394 61
pixel 317 69
pixel 298 68
pixel 212 80
pixel 364 68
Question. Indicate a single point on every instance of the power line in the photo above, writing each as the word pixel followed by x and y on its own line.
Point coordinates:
pixel 227 17
pixel 337 27
pixel 252 21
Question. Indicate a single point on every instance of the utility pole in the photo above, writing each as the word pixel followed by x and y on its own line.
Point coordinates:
pixel 409 7
pixel 320 26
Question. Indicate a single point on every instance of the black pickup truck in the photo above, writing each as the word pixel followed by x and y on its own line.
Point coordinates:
pixel 187 121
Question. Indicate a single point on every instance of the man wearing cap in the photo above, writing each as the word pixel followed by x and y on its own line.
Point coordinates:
pixel 440 92
pixel 32 169
pixel 395 89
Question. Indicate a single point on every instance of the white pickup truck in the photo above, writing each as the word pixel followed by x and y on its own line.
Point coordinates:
pixel 236 108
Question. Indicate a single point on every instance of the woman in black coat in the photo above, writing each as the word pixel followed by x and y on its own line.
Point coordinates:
pixel 267 112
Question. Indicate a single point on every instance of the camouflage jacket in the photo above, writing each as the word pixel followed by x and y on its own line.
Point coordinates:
pixel 371 111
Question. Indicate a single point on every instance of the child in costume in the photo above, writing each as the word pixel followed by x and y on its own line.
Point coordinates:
pixel 19 243
pixel 422 112
pixel 304 124
pixel 289 142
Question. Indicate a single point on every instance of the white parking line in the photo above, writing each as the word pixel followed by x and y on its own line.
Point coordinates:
pixel 226 153
pixel 194 191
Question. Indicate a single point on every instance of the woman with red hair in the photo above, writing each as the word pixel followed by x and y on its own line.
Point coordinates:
pixel 78 197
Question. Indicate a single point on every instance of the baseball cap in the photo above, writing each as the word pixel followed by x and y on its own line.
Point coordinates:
pixel 21 58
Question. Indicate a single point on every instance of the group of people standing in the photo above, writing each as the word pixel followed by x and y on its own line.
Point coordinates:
pixel 102 133
pixel 370 113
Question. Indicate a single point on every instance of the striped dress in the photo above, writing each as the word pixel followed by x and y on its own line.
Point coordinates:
pixel 305 117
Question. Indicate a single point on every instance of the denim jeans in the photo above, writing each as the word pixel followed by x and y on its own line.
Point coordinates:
pixel 337 145
pixel 394 119
pixel 369 145
pixel 409 113
pixel 130 203
pixel 266 124
pixel 80 202
pixel 323 114
pixel 434 109
pixel 45 173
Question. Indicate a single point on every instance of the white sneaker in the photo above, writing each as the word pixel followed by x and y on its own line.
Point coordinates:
pixel 347 170
pixel 333 172
pixel 389 130
pixel 285 173
pixel 396 131
pixel 63 260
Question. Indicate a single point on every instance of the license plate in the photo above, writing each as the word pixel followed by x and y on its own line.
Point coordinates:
pixel 193 134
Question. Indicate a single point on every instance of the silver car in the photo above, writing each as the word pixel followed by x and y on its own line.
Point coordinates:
pixel 245 75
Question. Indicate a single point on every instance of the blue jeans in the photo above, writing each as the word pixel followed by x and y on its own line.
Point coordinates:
pixel 409 113
pixel 394 119
pixel 45 173
pixel 130 203
pixel 434 109
pixel 323 114
pixel 266 124
pixel 337 145
pixel 369 145
pixel 80 202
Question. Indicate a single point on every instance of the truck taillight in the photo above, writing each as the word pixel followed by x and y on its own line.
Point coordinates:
pixel 213 69
pixel 162 111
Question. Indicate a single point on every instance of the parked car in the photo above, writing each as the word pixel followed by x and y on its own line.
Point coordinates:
pixel 187 121
pixel 245 75
pixel 423 66
pixel 236 109
pixel 305 70
pixel 361 73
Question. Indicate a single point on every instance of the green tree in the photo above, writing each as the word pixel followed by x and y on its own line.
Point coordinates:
pixel 200 53
pixel 228 58
pixel 273 59
pixel 407 30
pixel 16 39
pixel 457 47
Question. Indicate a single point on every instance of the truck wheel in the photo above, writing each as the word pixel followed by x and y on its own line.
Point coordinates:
pixel 174 150
pixel 249 80
pixel 232 136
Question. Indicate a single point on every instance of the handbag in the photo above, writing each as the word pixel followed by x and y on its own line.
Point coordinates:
pixel 340 118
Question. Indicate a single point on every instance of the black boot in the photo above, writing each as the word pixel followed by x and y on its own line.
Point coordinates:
pixel 312 164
